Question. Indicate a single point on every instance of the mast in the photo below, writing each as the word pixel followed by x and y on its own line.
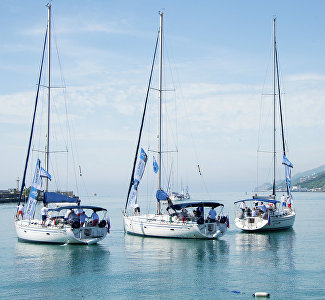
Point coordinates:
pixel 33 122
pixel 274 104
pixel 160 104
pixel 142 122
pixel 47 152
pixel 280 103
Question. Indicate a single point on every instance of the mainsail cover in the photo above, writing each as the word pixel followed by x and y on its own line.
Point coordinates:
pixel 52 197
pixel 142 160
pixel 161 195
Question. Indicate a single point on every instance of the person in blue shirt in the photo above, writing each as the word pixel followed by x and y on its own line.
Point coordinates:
pixel 212 215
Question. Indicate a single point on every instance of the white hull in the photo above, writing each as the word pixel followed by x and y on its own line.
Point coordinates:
pixel 281 220
pixel 165 226
pixel 63 234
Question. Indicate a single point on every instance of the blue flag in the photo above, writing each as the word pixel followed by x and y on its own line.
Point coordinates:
pixel 155 165
pixel 287 162
pixel 287 168
pixel 45 174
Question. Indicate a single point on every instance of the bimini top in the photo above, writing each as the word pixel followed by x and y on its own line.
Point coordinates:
pixel 195 204
pixel 94 208
pixel 259 200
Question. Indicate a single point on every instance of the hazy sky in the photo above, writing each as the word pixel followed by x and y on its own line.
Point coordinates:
pixel 220 51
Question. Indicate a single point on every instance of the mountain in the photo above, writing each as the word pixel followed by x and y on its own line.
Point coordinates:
pixel 311 180
pixel 311 172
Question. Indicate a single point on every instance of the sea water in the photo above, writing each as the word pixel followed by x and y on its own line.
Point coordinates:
pixel 287 264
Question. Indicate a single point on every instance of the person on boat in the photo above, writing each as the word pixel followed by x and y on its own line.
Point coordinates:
pixel 169 205
pixel 95 218
pixel 283 202
pixel 44 212
pixel 248 211
pixel 201 210
pixel 67 213
pixel 83 218
pixel 197 212
pixel 20 211
pixel 262 207
pixel 73 217
pixel 184 214
pixel 289 202
pixel 136 209
pixel 254 213
pixel 212 215
pixel 270 206
pixel 79 211
pixel 243 206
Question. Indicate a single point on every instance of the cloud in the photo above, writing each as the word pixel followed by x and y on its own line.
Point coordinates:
pixel 306 77
pixel 79 23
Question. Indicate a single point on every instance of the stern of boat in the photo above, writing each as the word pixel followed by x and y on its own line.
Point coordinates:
pixel 86 235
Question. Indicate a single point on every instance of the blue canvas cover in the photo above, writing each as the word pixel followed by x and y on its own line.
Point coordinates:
pixel 161 195
pixel 52 197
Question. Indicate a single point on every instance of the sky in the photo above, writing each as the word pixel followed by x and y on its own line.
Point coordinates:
pixel 219 52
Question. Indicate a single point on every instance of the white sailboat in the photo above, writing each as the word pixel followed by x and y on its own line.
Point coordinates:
pixel 197 220
pixel 252 214
pixel 184 194
pixel 64 220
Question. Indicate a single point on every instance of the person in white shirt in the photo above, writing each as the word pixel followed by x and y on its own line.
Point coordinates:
pixel 254 213
pixel 44 212
pixel 20 211
pixel 243 206
pixel 68 212
pixel 95 218
pixel 283 202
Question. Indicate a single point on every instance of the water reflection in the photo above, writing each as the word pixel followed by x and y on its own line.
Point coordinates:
pixel 171 250
pixel 270 247
pixel 44 260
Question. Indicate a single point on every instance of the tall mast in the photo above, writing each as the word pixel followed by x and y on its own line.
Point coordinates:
pixel 274 103
pixel 280 105
pixel 47 152
pixel 160 104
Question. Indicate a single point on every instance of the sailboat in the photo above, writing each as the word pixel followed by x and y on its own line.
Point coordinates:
pixel 252 214
pixel 64 219
pixel 197 219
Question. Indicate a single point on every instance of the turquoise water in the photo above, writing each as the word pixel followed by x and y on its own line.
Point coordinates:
pixel 288 264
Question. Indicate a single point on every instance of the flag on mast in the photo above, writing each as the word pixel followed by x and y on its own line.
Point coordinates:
pixel 155 165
